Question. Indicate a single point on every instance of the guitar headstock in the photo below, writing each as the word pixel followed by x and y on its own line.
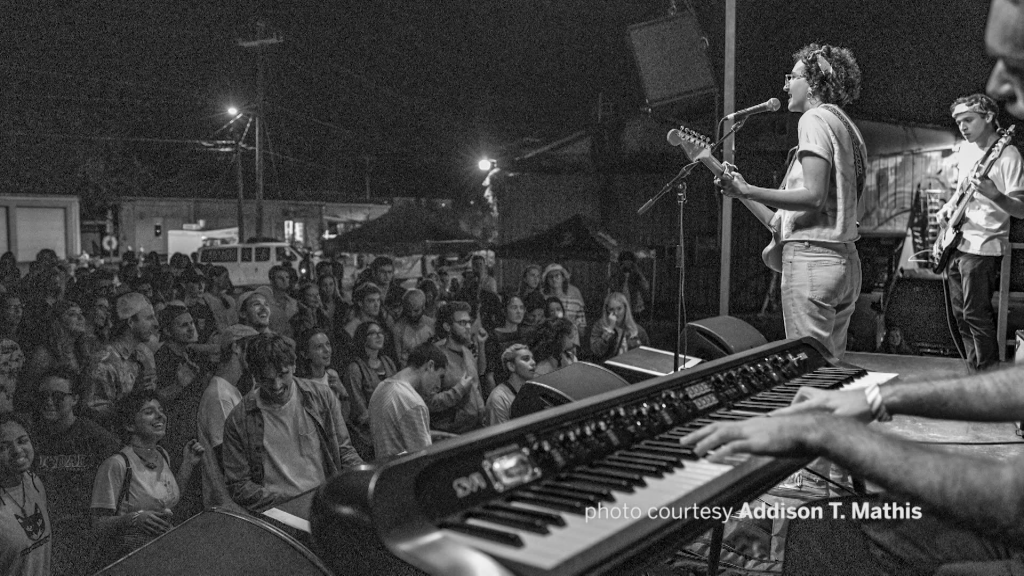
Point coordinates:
pixel 694 144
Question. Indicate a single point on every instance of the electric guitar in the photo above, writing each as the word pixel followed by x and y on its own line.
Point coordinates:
pixel 950 234
pixel 698 148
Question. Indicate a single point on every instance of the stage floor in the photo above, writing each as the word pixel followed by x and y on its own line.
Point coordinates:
pixel 974 437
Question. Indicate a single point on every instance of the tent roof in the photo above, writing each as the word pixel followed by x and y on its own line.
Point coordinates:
pixel 572 239
pixel 405 229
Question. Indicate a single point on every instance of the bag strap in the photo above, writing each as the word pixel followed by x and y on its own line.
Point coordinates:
pixel 123 494
pixel 858 160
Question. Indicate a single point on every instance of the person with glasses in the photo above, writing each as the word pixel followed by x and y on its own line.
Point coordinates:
pixel 364 373
pixel 459 405
pixel 817 207
pixel 69 449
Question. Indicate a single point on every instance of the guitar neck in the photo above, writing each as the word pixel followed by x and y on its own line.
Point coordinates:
pixel 760 211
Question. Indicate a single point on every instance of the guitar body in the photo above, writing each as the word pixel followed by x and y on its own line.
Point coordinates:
pixel 944 247
pixel 772 253
pixel 950 234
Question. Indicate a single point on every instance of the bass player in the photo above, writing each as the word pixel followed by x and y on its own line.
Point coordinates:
pixel 971 271
pixel 818 206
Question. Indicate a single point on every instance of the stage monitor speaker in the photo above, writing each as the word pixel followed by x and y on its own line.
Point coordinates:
pixel 671 54
pixel 574 382
pixel 221 542
pixel 915 318
pixel 880 258
pixel 643 363
pixel 721 336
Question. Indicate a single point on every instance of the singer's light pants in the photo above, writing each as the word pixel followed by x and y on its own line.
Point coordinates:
pixel 820 285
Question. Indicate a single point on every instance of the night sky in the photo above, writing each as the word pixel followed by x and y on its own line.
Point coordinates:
pixel 414 90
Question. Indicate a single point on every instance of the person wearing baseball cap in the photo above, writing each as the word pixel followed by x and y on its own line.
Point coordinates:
pixel 254 309
pixel 218 400
pixel 125 363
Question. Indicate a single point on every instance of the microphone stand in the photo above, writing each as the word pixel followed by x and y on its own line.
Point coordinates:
pixel 678 182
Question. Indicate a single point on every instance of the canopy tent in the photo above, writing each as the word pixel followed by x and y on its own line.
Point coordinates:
pixel 404 230
pixel 572 239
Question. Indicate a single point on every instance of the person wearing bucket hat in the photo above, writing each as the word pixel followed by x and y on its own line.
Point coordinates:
pixel 556 283
pixel 125 363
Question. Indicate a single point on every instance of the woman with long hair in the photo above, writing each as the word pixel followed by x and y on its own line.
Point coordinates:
pixel 554 345
pixel 135 491
pixel 313 354
pixel 367 369
pixel 65 343
pixel 556 284
pixel 96 307
pixel 330 296
pixel 616 332
pixel 530 282
pixel 503 336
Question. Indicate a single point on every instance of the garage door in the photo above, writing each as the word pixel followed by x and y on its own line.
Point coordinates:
pixel 40 228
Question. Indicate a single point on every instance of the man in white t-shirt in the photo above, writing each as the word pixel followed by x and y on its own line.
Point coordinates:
pixel 218 400
pixel 399 418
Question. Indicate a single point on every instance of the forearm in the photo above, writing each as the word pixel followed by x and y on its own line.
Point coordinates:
pixel 797 199
pixel 448 398
pixel 184 472
pixel 106 525
pixel 988 397
pixel 985 492
pixel 1010 204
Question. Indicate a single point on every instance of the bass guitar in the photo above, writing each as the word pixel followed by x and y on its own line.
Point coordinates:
pixel 698 148
pixel 950 234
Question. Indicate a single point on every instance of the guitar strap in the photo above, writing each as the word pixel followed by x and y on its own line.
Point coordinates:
pixel 858 159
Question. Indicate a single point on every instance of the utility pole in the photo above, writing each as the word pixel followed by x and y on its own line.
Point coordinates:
pixel 261 43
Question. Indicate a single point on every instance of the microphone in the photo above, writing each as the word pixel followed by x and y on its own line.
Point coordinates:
pixel 769 106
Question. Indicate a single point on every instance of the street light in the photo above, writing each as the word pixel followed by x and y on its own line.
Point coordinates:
pixel 233 111
pixel 486 164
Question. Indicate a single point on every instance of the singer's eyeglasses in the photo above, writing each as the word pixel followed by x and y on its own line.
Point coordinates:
pixel 791 77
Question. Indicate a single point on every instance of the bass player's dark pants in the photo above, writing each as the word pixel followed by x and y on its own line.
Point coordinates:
pixel 972 280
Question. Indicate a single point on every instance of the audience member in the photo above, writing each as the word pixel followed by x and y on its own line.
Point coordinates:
pixel 501 337
pixel 628 279
pixel 287 436
pixel 553 308
pixel 98 317
pixel 330 296
pixel 556 283
pixel 282 306
pixel 69 450
pixel 413 327
pixel 520 366
pixel 314 355
pixel 192 284
pixel 311 313
pixel 459 405
pixel 554 345
pixel 218 297
pixel 9 272
pixel 25 529
pixel 11 315
pixel 616 332
pixel 254 312
pixel 366 300
pixel 64 344
pixel 432 291
pixel 368 368
pixel 125 363
pixel 530 282
pixel 479 266
pixel 218 400
pixel 535 309
pixel 399 418
pixel 135 491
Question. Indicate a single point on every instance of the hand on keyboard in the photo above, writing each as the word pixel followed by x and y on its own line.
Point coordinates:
pixel 847 403
pixel 785 436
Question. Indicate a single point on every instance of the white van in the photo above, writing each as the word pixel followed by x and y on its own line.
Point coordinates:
pixel 249 264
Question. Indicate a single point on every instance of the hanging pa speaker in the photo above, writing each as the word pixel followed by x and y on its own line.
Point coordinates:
pixel 671 55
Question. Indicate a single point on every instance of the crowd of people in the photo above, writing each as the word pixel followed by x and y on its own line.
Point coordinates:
pixel 135 396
